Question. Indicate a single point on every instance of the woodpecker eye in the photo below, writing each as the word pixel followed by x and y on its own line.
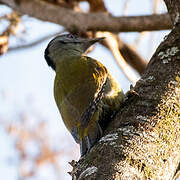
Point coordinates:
pixel 72 36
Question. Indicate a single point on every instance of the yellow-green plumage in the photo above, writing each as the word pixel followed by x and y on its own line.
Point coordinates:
pixel 84 92
pixel 73 91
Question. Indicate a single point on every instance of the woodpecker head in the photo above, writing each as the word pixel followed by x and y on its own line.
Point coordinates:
pixel 66 45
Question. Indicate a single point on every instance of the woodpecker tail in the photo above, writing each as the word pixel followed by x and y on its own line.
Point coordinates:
pixel 94 133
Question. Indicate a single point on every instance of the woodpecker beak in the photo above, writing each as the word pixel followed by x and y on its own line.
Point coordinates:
pixel 89 42
pixel 94 40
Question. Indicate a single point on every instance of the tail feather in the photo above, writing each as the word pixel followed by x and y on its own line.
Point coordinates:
pixel 93 135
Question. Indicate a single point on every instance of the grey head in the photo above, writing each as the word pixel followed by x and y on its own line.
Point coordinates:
pixel 66 45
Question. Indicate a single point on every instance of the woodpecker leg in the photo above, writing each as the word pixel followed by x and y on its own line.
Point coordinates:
pixel 88 140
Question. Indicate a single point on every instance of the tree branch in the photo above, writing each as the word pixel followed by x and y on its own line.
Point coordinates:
pixel 88 21
pixel 112 43
pixel 128 54
pixel 132 57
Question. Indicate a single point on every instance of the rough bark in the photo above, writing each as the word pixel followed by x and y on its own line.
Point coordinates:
pixel 143 141
pixel 88 21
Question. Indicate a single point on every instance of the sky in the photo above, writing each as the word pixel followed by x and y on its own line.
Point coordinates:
pixel 27 83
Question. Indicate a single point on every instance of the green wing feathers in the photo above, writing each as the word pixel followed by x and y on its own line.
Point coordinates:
pixel 80 95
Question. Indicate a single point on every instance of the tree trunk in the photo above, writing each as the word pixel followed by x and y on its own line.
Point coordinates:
pixel 143 141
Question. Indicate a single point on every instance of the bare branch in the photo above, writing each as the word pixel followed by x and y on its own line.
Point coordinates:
pixel 132 57
pixel 3 44
pixel 129 55
pixel 112 43
pixel 14 20
pixel 97 6
pixel 89 21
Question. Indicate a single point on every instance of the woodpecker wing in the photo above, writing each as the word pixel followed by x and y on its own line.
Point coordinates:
pixel 78 89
